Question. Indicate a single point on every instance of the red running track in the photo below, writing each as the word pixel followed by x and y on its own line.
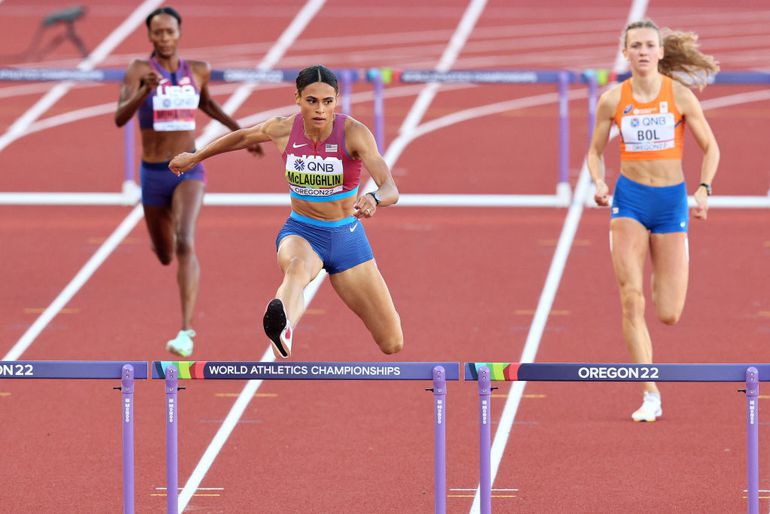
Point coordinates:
pixel 466 282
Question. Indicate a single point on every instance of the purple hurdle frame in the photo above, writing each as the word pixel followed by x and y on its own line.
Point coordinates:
pixel 485 422
pixel 172 371
pixel 172 458
pixel 439 438
pixel 752 438
pixel 583 372
pixel 126 371
pixel 127 394
pixel 129 168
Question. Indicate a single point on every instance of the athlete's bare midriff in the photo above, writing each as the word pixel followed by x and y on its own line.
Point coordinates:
pixel 326 211
pixel 163 146
pixel 667 172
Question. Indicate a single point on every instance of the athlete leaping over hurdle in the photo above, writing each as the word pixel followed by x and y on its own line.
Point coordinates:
pixel 323 152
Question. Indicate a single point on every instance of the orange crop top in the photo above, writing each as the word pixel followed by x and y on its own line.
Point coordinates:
pixel 649 131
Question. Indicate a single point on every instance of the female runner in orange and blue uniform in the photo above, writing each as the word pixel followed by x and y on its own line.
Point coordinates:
pixel 166 91
pixel 649 208
pixel 323 153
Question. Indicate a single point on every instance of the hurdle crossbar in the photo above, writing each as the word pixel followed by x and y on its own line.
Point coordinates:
pixel 592 372
pixel 125 371
pixel 750 374
pixel 438 372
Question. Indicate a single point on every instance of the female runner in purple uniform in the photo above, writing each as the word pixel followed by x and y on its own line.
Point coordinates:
pixel 323 153
pixel 166 91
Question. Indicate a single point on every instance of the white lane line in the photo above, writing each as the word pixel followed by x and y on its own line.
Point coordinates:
pixel 232 418
pixel 253 385
pixel 637 12
pixel 495 108
pixel 292 32
pixel 469 19
pixel 75 284
pixel 19 127
pixel 547 296
pixel 407 131
pixel 287 38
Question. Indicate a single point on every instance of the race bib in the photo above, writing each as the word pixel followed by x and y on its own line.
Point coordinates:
pixel 648 132
pixel 173 108
pixel 310 175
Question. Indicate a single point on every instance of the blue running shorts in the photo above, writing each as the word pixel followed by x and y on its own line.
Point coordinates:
pixel 659 209
pixel 159 182
pixel 340 244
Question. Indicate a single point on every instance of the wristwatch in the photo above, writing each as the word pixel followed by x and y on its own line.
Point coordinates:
pixel 377 200
pixel 707 187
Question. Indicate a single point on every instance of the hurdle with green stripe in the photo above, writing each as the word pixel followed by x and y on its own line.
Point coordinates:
pixel 438 372
pixel 487 372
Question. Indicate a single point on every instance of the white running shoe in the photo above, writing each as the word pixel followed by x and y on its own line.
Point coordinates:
pixel 182 344
pixel 277 328
pixel 650 410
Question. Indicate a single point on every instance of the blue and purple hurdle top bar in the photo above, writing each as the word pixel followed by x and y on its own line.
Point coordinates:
pixel 224 370
pixel 71 369
pixel 125 371
pixel 750 374
pixel 438 372
pixel 593 372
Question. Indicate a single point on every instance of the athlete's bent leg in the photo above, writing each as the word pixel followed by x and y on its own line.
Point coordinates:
pixel 365 292
pixel 161 229
pixel 670 270
pixel 300 264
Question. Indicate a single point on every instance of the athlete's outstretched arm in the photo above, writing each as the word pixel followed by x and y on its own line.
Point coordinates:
pixel 236 140
pixel 212 108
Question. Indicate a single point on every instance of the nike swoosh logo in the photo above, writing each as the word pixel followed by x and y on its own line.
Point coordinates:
pixel 354 227
pixel 295 145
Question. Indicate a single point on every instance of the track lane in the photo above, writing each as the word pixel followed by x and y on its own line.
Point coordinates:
pixel 321 324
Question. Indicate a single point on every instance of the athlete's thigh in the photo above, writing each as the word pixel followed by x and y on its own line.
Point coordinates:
pixel 186 205
pixel 293 248
pixel 365 292
pixel 670 269
pixel 160 227
pixel 629 243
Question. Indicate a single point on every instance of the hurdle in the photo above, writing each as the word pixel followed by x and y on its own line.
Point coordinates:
pixel 561 78
pixel 126 371
pixel 438 372
pixel 750 374
pixel 130 190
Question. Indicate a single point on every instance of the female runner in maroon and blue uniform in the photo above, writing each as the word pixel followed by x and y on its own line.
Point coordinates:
pixel 323 153
pixel 166 91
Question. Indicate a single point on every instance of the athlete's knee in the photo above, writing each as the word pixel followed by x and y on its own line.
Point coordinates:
pixel 165 258
pixel 669 316
pixel 185 245
pixel 391 345
pixel 391 342
pixel 296 268
pixel 632 302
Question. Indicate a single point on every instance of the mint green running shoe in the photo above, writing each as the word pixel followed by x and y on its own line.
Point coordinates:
pixel 182 344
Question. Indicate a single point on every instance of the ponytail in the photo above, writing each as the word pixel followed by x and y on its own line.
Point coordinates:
pixel 682 60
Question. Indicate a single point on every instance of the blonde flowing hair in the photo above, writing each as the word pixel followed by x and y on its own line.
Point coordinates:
pixel 682 60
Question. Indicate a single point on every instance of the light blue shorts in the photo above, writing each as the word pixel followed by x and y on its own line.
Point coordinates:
pixel 660 210
pixel 340 244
